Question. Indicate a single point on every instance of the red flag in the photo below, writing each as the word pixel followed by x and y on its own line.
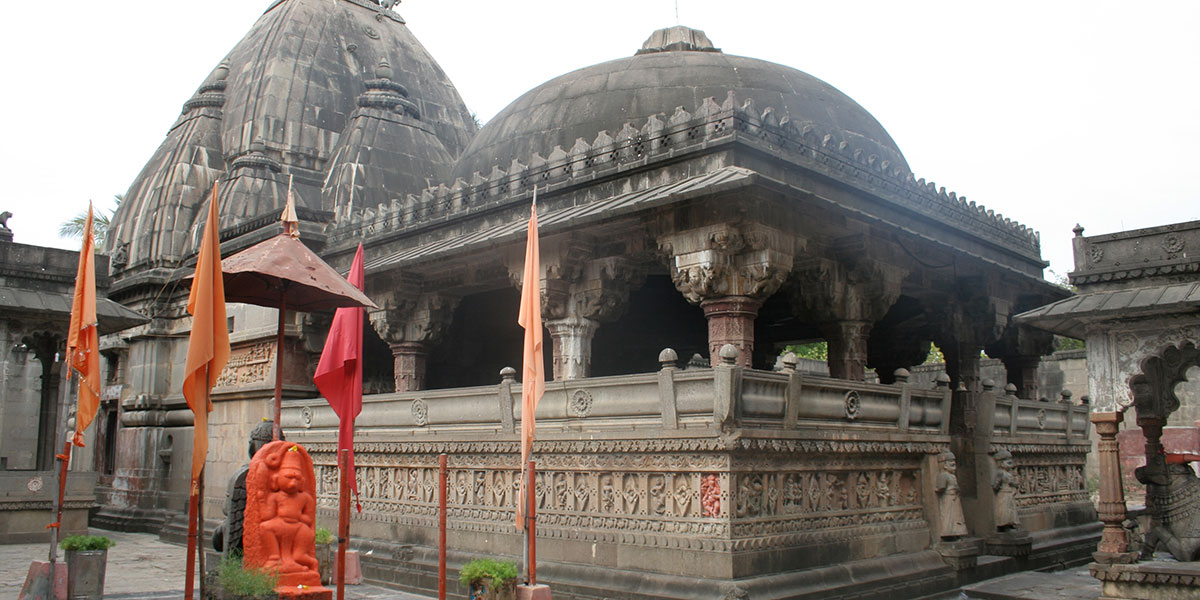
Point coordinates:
pixel 339 372
pixel 208 343
pixel 533 376
pixel 83 343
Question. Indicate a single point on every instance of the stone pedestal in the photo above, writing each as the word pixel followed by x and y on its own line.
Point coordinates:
pixel 731 321
pixel 572 346
pixel 961 554
pixel 409 365
pixel 1155 580
pixel 533 592
pixel 1016 542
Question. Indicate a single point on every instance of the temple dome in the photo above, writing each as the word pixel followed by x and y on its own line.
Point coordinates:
pixel 676 67
pixel 301 97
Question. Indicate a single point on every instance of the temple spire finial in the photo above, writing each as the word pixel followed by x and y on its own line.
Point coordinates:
pixel 291 223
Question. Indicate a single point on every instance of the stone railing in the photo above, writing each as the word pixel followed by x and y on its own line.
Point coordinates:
pixel 671 399
pixel 1017 417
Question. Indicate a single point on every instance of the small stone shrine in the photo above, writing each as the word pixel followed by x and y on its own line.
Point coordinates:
pixel 1138 309
pixel 280 520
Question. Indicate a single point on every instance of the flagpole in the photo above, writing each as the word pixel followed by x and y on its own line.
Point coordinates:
pixel 60 428
pixel 200 489
pixel 343 521
pixel 277 433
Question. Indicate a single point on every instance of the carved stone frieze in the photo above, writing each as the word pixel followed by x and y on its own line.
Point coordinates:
pixel 248 364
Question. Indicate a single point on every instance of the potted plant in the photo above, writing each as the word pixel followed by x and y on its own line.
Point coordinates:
pixel 87 559
pixel 235 582
pixel 489 579
pixel 325 554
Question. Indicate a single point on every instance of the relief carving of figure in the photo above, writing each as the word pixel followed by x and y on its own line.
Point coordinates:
pixel 749 498
pixel 281 515
pixel 953 524
pixel 862 490
pixel 658 501
pixel 1005 485
pixel 632 494
pixel 227 539
pixel 710 496
pixel 608 495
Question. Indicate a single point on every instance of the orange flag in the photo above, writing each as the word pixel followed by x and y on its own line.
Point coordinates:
pixel 82 339
pixel 208 343
pixel 533 375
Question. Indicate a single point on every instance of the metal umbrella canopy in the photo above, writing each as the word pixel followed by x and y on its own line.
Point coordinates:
pixel 283 273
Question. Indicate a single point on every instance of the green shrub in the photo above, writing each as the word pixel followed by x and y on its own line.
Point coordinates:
pixel 324 536
pixel 78 543
pixel 499 571
pixel 246 582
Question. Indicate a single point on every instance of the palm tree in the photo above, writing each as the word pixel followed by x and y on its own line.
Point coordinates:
pixel 72 228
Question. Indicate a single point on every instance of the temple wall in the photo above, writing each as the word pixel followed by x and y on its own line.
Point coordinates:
pixel 721 473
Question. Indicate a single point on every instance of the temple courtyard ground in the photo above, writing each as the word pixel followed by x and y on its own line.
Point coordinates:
pixel 141 567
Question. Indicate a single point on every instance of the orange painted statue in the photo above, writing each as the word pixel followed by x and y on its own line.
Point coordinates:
pixel 280 525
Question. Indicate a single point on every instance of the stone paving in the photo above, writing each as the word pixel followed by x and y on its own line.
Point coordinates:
pixel 140 567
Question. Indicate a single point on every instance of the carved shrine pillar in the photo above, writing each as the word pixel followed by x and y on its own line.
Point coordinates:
pixel 409 365
pixel 729 269
pixel 731 321
pixel 1114 546
pixel 410 325
pixel 847 343
pixel 1023 373
pixel 578 293
pixel 1021 348
pixel 845 298
pixel 572 339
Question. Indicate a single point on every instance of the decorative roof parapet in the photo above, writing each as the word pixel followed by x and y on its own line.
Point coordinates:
pixel 657 139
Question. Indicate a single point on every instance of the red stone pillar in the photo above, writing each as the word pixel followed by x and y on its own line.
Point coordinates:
pixel 847 342
pixel 1114 545
pixel 731 321
pixel 409 365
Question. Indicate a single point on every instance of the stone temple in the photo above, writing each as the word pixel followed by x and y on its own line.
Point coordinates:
pixel 692 203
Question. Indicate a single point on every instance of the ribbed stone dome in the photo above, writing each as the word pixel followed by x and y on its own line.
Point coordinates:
pixel 319 91
pixel 676 67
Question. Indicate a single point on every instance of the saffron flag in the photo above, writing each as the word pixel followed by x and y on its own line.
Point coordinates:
pixel 533 375
pixel 82 339
pixel 208 343
pixel 339 372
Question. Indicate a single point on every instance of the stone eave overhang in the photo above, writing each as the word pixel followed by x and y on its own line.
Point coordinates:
pixel 657 143
pixel 412 248
pixel 1073 316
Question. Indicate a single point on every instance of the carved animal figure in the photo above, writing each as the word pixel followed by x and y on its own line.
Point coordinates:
pixel 388 4
pixel 1175 500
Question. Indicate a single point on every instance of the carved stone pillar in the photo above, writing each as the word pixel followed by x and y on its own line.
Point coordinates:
pixel 1023 373
pixel 578 293
pixel 409 365
pixel 728 269
pixel 410 324
pixel 572 339
pixel 847 341
pixel 731 321
pixel 845 298
pixel 1114 545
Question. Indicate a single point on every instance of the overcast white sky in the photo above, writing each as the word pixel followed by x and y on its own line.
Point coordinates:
pixel 1051 113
